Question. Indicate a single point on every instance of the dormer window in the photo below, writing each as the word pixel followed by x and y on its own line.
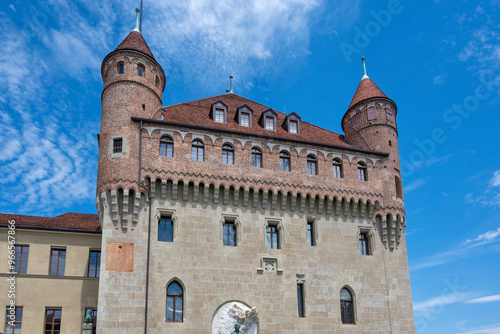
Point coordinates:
pixel 268 120
pixel 244 116
pixel 292 123
pixel 219 112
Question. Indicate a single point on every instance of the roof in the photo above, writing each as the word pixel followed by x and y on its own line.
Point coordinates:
pixel 78 222
pixel 198 113
pixel 135 41
pixel 366 90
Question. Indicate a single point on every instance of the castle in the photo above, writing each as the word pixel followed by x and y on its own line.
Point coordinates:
pixel 222 212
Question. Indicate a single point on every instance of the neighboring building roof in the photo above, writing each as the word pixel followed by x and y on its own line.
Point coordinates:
pixel 78 222
pixel 366 90
pixel 135 41
pixel 198 113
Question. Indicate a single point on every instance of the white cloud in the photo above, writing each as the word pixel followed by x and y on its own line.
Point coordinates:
pixel 487 299
pixel 491 329
pixel 495 181
pixel 438 80
pixel 440 301
pixel 490 197
pixel 485 238
pixel 414 185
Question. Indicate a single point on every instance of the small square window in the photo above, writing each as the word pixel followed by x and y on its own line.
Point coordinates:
pixel 117 145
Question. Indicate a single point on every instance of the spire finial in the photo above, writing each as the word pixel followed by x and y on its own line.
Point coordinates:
pixel 231 84
pixel 365 76
pixel 137 11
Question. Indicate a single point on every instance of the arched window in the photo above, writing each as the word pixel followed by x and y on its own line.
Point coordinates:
pixel 256 157
pixel 362 171
pixel 312 165
pixel 157 81
pixel 197 150
pixel 175 302
pixel 337 168
pixel 140 70
pixel 121 68
pixel 285 161
pixel 166 147
pixel 346 306
pixel 227 154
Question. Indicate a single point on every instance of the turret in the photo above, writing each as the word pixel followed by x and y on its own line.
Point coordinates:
pixel 370 124
pixel 133 84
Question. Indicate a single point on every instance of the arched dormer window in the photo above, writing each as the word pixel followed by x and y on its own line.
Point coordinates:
pixel 197 150
pixel 140 70
pixel 346 306
pixel 166 147
pixel 284 161
pixel 175 302
pixel 256 157
pixel 337 168
pixel 362 176
pixel 227 154
pixel 157 81
pixel 121 68
pixel 312 165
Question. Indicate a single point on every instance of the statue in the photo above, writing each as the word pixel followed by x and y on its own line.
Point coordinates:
pixel 236 328
pixel 89 318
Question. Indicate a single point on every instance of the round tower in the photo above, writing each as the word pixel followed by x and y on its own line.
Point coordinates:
pixel 133 84
pixel 370 124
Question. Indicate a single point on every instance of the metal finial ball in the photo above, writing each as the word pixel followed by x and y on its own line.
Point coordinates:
pixel 363 58
pixel 137 10
pixel 230 77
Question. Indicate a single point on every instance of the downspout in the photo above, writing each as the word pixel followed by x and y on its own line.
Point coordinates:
pixel 149 230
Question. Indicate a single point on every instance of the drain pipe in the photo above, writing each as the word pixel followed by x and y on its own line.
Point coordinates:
pixel 149 232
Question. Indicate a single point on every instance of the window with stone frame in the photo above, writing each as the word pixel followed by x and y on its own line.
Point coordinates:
pixel 274 234
pixel 175 303
pixel 311 237
pixel 117 145
pixel 229 233
pixel 197 150
pixel 284 161
pixel 256 157
pixel 53 318
pixel 346 306
pixel 21 259
pixel 57 261
pixel 362 174
pixel 227 154
pixel 312 165
pixel 94 263
pixel 14 321
pixel 166 229
pixel 121 68
pixel 166 147
pixel 337 168
pixel 300 300
pixel 364 243
pixel 140 70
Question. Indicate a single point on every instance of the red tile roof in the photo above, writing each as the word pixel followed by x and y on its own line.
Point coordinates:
pixel 198 113
pixel 135 41
pixel 68 221
pixel 366 90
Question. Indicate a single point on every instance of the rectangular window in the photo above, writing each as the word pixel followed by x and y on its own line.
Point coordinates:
pixel 310 234
pixel 219 116
pixel 294 127
pixel 311 168
pixel 364 244
pixel 94 263
pixel 52 321
pixel 372 113
pixel 229 234
pixel 354 119
pixel 57 261
pixel 269 125
pixel 94 323
pixel 117 145
pixel 21 259
pixel 390 115
pixel 272 237
pixel 245 119
pixel 300 300
pixel 14 317
pixel 166 230
pixel 256 160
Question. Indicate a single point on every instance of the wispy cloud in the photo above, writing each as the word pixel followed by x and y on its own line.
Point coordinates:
pixel 414 185
pixel 490 197
pixel 486 299
pixel 495 181
pixel 450 298
pixel 485 238
pixel 438 80
pixel 490 329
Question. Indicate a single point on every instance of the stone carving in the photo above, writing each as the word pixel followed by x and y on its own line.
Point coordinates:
pixel 234 313
pixel 270 264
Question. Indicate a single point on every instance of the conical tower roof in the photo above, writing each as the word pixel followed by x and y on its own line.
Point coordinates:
pixel 366 89
pixel 135 41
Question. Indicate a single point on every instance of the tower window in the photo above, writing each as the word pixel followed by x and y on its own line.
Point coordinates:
pixel 337 168
pixel 227 154
pixel 121 68
pixel 390 115
pixel 354 119
pixel 272 237
pixel 256 157
pixel 310 234
pixel 166 230
pixel 143 107
pixel 219 116
pixel 53 321
pixel 312 165
pixel 140 70
pixel 346 307
pixel 175 302
pixel 362 171
pixel 197 150
pixel 117 145
pixel 157 81
pixel 372 113
pixel 284 161
pixel 94 263
pixel 57 261
pixel 229 234
pixel 364 243
pixel 245 119
pixel 166 147
pixel 390 143
pixel 300 300
pixel 399 187
pixel 269 125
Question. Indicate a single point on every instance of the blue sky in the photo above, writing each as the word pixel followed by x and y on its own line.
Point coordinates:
pixel 439 60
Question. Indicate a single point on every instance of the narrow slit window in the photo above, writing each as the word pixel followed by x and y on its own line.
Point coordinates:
pixel 140 70
pixel 310 234
pixel 120 68
pixel 300 300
